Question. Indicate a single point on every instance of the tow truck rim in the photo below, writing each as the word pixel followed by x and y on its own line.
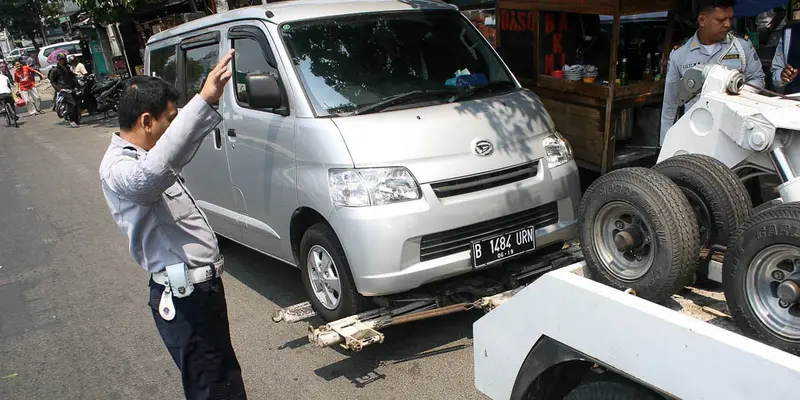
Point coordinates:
pixel 761 289
pixel 632 264
pixel 324 277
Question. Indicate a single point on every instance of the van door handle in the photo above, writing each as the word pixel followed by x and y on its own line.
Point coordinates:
pixel 231 132
pixel 217 139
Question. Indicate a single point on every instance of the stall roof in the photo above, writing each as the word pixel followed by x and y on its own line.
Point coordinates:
pixel 637 17
pixel 471 4
pixel 600 7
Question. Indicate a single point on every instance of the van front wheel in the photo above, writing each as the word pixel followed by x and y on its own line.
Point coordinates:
pixel 326 275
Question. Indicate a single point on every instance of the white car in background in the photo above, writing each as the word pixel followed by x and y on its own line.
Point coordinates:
pixel 15 54
pixel 73 47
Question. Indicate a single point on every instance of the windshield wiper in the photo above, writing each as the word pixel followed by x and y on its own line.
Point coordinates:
pixel 490 87
pixel 398 99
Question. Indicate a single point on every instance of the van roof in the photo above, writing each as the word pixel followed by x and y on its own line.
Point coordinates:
pixel 293 10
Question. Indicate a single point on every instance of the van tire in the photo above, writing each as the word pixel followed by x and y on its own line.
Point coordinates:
pixel 644 202
pixel 322 237
pixel 609 386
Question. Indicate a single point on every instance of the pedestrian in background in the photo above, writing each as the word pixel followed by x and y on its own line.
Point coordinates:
pixel 26 84
pixel 169 236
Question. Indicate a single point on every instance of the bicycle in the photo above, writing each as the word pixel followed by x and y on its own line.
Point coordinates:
pixel 11 114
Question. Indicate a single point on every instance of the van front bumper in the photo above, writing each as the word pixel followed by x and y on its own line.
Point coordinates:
pixel 385 246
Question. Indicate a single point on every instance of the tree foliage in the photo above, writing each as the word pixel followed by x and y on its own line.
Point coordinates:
pixel 107 11
pixel 24 17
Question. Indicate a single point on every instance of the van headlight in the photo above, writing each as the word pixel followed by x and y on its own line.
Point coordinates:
pixel 557 150
pixel 372 186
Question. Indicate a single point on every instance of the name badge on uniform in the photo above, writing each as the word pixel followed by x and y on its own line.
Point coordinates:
pixel 730 57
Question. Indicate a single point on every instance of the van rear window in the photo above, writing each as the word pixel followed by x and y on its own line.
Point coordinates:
pixel 164 64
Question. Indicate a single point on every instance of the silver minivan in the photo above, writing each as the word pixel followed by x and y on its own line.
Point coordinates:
pixel 377 145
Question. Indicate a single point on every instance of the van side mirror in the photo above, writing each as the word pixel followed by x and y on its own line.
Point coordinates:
pixel 263 91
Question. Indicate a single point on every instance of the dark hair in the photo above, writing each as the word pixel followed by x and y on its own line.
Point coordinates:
pixel 144 94
pixel 702 6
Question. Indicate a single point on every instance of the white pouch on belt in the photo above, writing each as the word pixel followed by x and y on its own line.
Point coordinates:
pixel 179 286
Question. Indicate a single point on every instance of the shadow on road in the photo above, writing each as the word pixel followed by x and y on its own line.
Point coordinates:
pixel 280 283
pixel 403 344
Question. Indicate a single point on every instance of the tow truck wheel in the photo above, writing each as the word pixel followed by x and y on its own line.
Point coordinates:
pixel 609 386
pixel 638 231
pixel 717 196
pixel 326 275
pixel 761 278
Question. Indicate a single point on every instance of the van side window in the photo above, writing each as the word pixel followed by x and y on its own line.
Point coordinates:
pixel 164 64
pixel 199 61
pixel 249 59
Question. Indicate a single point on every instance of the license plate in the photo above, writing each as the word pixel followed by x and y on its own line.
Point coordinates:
pixel 502 247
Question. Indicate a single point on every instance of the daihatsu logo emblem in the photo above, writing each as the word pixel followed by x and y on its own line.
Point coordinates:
pixel 484 148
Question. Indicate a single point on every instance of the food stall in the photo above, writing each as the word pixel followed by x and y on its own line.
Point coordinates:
pixel 481 13
pixel 609 111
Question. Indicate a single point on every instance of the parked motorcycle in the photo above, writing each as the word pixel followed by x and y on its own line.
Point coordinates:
pixel 92 97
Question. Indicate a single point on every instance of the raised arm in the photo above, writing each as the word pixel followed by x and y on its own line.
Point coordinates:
pixel 143 179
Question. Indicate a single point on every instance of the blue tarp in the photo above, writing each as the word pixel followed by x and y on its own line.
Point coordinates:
pixel 751 8
pixel 744 8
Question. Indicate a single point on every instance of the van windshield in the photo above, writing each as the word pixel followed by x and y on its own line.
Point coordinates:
pixel 373 62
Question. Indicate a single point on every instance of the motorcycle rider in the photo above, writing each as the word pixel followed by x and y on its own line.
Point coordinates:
pixel 77 66
pixel 63 78
pixel 5 93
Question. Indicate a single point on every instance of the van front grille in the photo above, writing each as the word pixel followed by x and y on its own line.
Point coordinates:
pixel 475 183
pixel 457 240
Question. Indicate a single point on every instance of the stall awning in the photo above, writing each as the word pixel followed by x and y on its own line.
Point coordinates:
pixel 751 8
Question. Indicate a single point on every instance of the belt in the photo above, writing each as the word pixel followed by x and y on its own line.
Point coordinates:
pixel 196 275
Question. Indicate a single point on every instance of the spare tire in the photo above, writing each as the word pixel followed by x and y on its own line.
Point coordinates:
pixel 717 196
pixel 638 231
pixel 761 278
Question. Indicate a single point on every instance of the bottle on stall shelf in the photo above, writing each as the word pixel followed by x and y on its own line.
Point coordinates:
pixel 647 75
pixel 658 71
pixel 623 77
pixel 617 81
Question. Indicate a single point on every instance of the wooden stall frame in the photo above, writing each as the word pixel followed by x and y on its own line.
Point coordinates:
pixel 610 97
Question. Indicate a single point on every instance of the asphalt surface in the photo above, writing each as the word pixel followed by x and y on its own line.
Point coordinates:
pixel 74 323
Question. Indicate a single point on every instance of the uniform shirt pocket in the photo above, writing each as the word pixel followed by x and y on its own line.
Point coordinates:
pixel 177 204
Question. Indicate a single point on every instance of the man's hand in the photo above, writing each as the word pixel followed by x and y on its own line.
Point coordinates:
pixel 789 74
pixel 216 80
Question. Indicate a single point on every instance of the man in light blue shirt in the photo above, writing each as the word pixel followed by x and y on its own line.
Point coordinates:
pixel 712 44
pixel 168 235
pixel 787 54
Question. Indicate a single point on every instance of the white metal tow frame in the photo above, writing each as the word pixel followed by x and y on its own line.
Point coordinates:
pixel 676 354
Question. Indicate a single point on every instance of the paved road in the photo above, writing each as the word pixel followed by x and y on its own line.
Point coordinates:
pixel 74 323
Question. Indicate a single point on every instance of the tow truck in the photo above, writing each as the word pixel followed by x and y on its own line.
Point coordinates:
pixel 631 320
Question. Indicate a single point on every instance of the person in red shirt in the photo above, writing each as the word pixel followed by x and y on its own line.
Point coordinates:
pixel 26 83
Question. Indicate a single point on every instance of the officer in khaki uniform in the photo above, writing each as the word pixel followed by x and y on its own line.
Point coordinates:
pixel 713 43
pixel 169 236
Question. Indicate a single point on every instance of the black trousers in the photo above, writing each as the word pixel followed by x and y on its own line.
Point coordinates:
pixel 199 341
pixel 73 108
